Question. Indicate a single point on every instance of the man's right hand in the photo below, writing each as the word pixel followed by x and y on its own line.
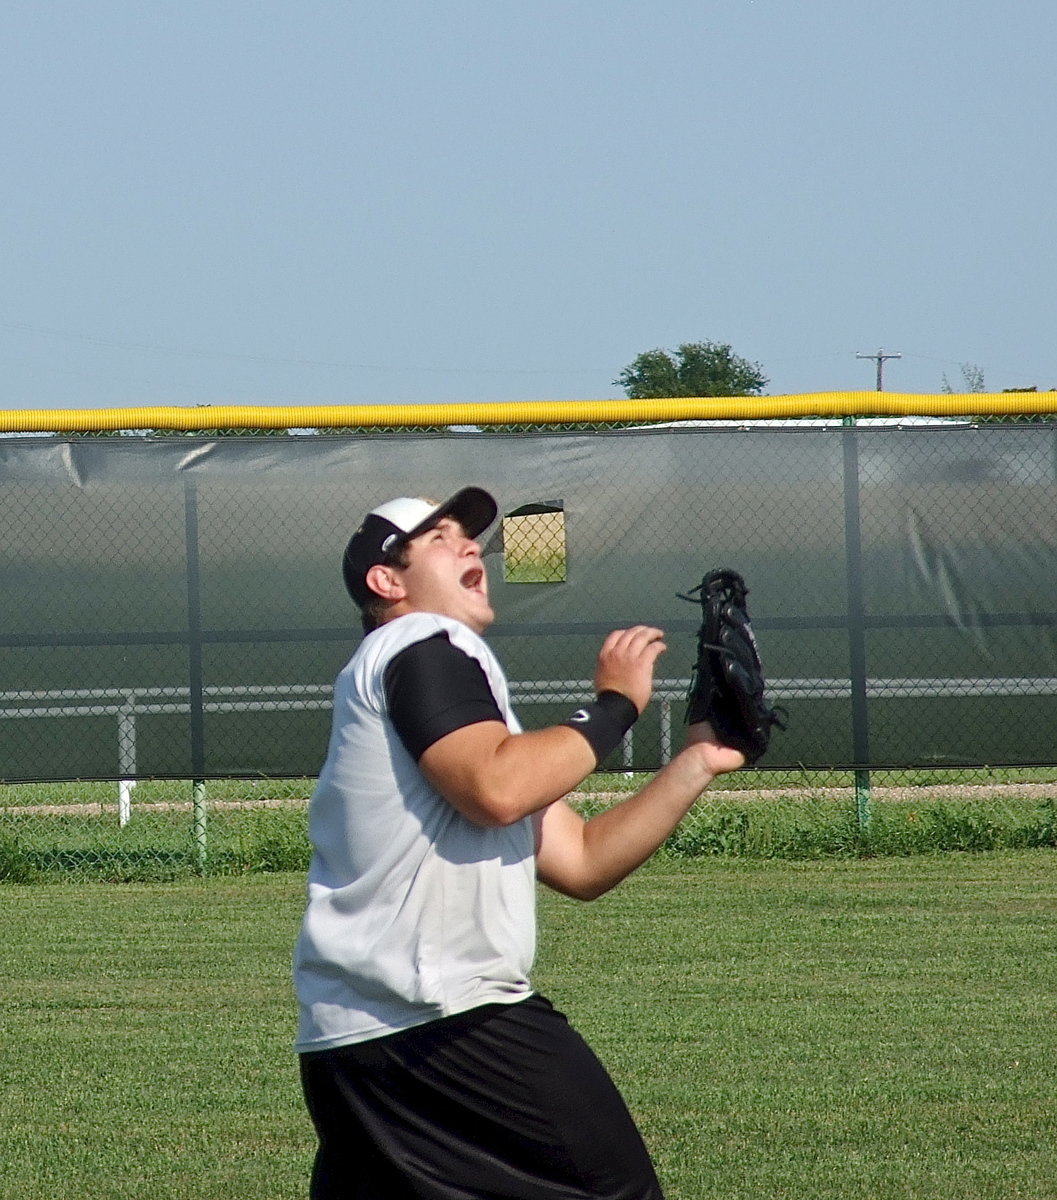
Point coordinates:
pixel 626 662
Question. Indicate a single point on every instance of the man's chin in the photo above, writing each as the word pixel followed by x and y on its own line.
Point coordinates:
pixel 481 617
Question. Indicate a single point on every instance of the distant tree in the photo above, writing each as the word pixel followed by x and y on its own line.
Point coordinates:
pixel 693 369
pixel 973 379
pixel 972 376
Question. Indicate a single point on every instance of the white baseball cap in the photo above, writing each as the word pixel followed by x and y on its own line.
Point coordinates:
pixel 393 524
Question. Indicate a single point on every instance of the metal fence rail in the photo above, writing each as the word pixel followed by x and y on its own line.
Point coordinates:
pixel 126 704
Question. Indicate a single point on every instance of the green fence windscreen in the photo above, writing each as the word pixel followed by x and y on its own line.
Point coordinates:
pixel 173 606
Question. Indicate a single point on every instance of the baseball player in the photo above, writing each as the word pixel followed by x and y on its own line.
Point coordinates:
pixel 430 1066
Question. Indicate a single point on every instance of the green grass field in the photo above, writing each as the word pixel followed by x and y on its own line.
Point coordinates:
pixel 863 1029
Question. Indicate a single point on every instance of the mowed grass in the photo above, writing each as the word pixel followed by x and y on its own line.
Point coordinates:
pixel 863 1029
pixel 869 1029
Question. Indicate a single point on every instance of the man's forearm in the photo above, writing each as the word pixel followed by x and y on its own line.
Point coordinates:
pixel 584 859
pixel 625 836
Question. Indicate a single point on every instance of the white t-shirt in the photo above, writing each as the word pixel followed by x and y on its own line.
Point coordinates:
pixel 414 912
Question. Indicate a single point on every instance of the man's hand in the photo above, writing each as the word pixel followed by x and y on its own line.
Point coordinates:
pixel 626 661
pixel 717 758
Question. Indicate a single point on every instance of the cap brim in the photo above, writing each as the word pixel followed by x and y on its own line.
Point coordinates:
pixel 472 507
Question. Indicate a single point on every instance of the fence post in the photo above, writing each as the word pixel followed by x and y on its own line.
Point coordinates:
pixel 860 723
pixel 194 674
pixel 126 758
pixel 198 823
pixel 863 802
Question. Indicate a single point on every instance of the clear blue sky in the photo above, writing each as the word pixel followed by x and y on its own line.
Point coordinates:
pixel 218 201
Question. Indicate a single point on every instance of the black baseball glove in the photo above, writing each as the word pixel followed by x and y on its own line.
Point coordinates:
pixel 727 685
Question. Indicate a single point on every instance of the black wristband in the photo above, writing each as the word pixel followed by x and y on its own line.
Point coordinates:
pixel 604 722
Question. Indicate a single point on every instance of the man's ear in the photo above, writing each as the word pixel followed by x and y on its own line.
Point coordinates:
pixel 385 581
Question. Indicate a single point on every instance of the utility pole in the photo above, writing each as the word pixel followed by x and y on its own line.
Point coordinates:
pixel 880 358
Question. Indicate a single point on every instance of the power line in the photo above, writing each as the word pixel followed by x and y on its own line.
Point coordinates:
pixel 201 352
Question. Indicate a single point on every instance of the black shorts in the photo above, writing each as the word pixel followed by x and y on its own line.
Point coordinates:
pixel 506 1102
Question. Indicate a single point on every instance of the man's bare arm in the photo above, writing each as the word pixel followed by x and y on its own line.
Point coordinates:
pixel 584 859
pixel 495 777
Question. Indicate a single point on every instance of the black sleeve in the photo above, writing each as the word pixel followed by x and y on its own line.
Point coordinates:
pixel 432 688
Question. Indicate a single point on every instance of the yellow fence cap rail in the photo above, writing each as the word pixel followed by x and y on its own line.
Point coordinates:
pixel 541 412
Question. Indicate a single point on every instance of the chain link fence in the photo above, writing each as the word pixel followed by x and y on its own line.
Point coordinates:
pixel 175 617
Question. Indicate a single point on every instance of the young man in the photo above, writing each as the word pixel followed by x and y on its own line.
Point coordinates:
pixel 430 1067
